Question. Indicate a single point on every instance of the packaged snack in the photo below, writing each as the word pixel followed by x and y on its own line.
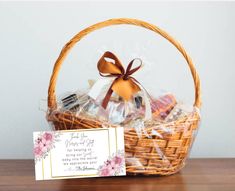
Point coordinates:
pixel 162 106
pixel 179 111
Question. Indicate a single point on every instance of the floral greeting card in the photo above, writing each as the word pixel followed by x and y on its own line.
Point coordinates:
pixel 79 153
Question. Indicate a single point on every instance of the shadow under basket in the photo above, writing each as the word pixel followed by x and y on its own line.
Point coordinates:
pixel 159 149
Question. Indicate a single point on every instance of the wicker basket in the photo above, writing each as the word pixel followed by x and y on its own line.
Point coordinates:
pixel 173 147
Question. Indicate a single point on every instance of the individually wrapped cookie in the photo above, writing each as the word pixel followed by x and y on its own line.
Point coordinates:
pixel 180 110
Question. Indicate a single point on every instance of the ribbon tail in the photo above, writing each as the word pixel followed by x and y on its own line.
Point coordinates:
pixel 108 95
pixel 107 98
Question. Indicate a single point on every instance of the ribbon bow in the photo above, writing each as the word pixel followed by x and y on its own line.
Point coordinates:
pixel 124 84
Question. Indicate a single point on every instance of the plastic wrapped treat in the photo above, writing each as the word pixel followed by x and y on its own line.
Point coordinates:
pixel 163 105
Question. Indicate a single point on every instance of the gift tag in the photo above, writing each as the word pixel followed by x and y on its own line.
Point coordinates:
pixel 79 153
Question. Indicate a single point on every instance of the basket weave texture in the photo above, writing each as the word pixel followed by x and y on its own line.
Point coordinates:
pixel 147 154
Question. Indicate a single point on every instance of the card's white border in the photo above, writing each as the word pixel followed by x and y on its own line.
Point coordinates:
pixel 79 176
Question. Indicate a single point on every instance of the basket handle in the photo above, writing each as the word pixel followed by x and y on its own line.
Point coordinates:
pixel 51 90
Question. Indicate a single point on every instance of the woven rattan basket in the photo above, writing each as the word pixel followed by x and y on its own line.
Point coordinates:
pixel 174 148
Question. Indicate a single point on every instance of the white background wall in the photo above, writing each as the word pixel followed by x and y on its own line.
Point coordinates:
pixel 32 35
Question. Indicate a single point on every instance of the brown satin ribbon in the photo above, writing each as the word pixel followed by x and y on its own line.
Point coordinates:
pixel 124 84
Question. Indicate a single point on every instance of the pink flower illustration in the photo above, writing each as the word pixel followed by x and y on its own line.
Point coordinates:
pixel 112 166
pixel 37 151
pixel 43 144
pixel 105 171
pixel 118 160
pixel 47 136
